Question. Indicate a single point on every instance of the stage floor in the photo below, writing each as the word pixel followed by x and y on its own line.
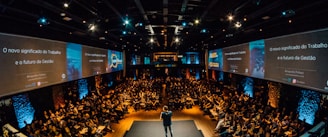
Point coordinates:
pixel 180 128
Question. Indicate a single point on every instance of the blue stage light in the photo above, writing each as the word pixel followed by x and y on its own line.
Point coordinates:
pixel 124 32
pixel 184 24
pixel 43 21
pixel 283 13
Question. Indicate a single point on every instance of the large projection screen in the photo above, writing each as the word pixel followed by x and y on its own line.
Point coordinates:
pixel 299 59
pixel 29 63
pixel 94 61
pixel 236 59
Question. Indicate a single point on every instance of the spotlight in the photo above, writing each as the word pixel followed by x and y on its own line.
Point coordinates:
pixel 287 13
pixel 184 24
pixel 197 21
pixel 92 27
pixel 230 17
pixel 43 21
pixel 177 40
pixel 151 40
pixel 66 5
pixel 203 31
pixel 238 24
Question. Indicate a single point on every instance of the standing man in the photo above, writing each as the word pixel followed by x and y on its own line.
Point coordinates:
pixel 166 116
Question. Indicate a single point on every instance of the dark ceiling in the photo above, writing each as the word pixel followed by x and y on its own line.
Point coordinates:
pixel 161 20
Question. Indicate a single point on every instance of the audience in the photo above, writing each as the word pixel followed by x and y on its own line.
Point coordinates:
pixel 236 113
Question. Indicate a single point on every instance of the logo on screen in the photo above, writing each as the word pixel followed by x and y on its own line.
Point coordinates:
pixel 114 61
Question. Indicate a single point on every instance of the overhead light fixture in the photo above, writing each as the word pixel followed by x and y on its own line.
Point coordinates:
pixel 66 5
pixel 92 27
pixel 177 40
pixel 197 21
pixel 230 17
pixel 140 24
pixel 238 24
pixel 287 13
pixel 151 40
pixel 67 18
pixel 266 17
pixel 126 22
pixel 43 21
pixel 203 31
pixel 184 24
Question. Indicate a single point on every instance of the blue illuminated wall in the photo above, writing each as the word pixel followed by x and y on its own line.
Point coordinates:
pixel 221 76
pixel 197 75
pixel 23 109
pixel 133 60
pixel 308 105
pixel 146 60
pixel 190 58
pixel 247 85
pixel 83 88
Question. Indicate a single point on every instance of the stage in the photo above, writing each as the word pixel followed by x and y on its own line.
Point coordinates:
pixel 181 128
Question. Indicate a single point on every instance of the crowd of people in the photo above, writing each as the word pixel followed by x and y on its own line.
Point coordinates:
pixel 236 113
pixel 93 115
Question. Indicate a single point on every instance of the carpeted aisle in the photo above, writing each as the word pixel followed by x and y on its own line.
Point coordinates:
pixel 183 128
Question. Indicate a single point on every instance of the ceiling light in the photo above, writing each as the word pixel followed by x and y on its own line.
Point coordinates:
pixel 92 27
pixel 289 21
pixel 266 17
pixel 287 13
pixel 203 31
pixel 66 5
pixel 184 24
pixel 237 24
pixel 176 40
pixel 197 21
pixel 124 32
pixel 151 40
pixel 67 18
pixel 43 21
pixel 230 17
pixel 126 22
